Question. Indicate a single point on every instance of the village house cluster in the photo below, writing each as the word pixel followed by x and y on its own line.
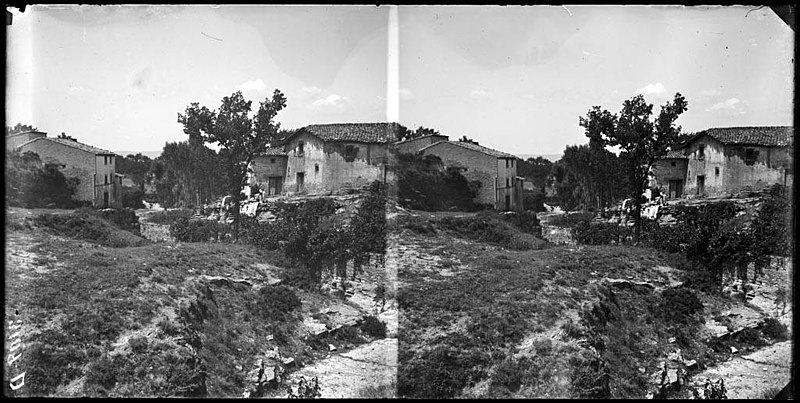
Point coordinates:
pixel 95 168
pixel 324 158
pixel 724 161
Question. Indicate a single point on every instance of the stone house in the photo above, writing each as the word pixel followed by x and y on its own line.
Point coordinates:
pixel 412 146
pixel 669 174
pixel 268 171
pixel 328 157
pixel 723 161
pixel 95 168
pixel 495 170
pixel 13 141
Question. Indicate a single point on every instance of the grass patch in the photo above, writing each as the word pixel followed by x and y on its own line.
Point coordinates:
pixel 87 226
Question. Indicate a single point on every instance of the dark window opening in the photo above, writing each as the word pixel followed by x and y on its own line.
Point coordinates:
pixel 350 153
pixel 300 148
pixel 316 168
pixel 672 163
pixel 272 160
pixel 106 179
pixel 701 152
pixel 507 183
pixel 750 155
pixel 716 171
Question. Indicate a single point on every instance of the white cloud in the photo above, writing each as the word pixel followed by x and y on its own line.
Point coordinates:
pixel 252 85
pixel 309 91
pixel 730 103
pixel 652 89
pixel 333 101
pixel 406 94
pixel 478 94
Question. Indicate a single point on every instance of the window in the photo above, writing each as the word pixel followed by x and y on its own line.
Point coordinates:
pixel 672 163
pixel 300 148
pixel 701 152
pixel 106 179
pixel 316 168
pixel 506 163
pixel 716 171
pixel 272 160
pixel 507 183
pixel 750 155
pixel 111 159
pixel 512 163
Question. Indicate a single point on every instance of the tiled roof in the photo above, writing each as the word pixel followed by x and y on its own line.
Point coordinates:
pixel 73 144
pixel 770 136
pixel 26 132
pixel 676 154
pixel 421 137
pixel 272 151
pixel 358 132
pixel 475 147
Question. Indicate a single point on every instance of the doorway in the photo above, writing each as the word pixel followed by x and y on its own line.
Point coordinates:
pixel 301 179
pixel 675 189
pixel 701 185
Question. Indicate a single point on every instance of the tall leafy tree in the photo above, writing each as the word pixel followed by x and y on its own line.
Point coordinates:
pixel 643 139
pixel 136 166
pixel 537 170
pixel 239 136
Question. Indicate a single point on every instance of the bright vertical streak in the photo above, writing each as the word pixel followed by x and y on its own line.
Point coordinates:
pixel 19 70
pixel 393 69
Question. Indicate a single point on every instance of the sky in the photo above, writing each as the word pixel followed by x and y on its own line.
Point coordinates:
pixel 516 79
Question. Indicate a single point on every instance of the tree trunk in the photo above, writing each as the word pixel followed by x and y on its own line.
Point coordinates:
pixel 236 216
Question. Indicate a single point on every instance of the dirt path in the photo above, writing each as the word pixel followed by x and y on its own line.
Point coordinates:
pixel 749 376
pixel 345 375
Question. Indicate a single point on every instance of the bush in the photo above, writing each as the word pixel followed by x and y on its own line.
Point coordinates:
pixel 132 197
pixel 678 305
pixel 424 184
pixel 589 233
pixel 31 184
pixel 186 230
pixel 533 201
pixel 373 327
pixel 169 216
pixel 82 225
pixel 125 218
pixel 774 329
pixel 569 220
pixel 275 302
pixel 138 344
pixel 525 221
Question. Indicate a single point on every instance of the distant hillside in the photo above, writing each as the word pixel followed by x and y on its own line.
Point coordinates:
pixel 551 157
pixel 151 154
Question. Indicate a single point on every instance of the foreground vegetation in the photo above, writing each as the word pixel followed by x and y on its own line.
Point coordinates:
pixel 108 313
pixel 491 320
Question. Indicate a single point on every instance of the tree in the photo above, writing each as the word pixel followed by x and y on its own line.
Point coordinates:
pixel 19 128
pixel 537 170
pixel 65 137
pixel 239 136
pixel 641 139
pixel 465 139
pixel 135 166
pixel 405 134
pixel 187 174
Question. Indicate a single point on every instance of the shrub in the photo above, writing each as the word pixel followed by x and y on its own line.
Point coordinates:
pixel 424 184
pixel 82 225
pixel 29 183
pixel 132 197
pixel 275 302
pixel 168 216
pixel 774 329
pixel 443 371
pixel 373 327
pixel 569 220
pixel 138 344
pixel 511 374
pixel 124 218
pixel 679 304
pixel 102 372
pixel 589 233
pixel 186 230
pixel 525 221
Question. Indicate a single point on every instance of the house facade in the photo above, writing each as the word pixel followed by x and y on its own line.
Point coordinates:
pixel 722 161
pixel 268 171
pixel 328 157
pixel 669 174
pixel 495 170
pixel 15 140
pixel 412 146
pixel 95 168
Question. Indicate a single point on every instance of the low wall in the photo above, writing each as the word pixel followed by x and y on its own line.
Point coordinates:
pixel 156 232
